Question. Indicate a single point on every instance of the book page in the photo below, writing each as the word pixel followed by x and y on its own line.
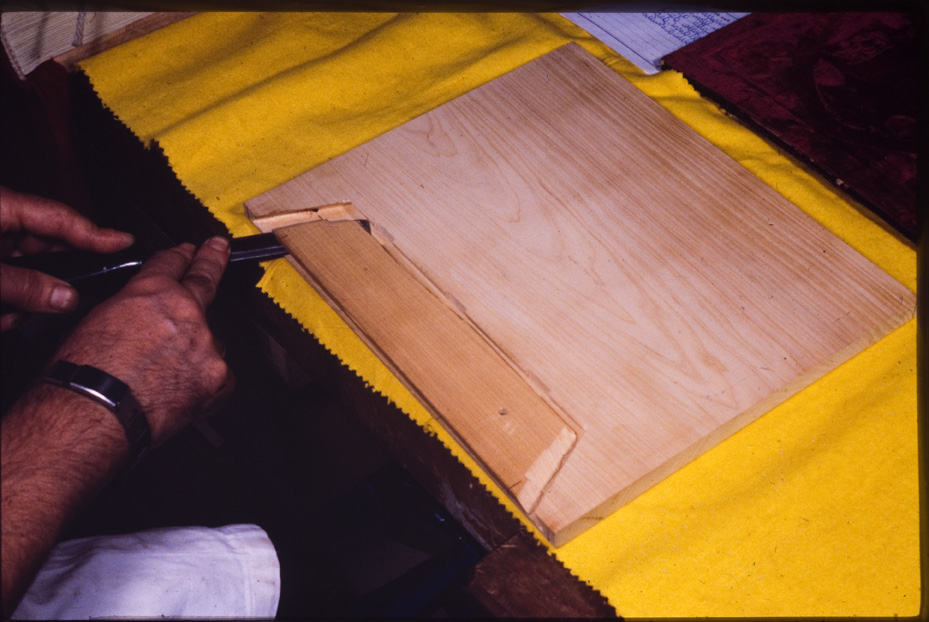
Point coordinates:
pixel 646 38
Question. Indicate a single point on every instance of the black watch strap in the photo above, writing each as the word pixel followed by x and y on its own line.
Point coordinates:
pixel 112 393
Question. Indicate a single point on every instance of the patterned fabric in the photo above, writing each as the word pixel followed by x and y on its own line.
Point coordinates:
pixel 837 89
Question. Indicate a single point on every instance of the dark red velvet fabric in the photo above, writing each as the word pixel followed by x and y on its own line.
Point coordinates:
pixel 838 90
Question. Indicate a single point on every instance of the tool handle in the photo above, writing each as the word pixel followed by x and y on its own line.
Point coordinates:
pixel 75 265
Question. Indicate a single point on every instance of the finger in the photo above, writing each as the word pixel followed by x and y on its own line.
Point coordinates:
pixel 9 320
pixel 29 290
pixel 172 263
pixel 206 270
pixel 227 387
pixel 46 217
pixel 220 347
pixel 31 244
pixel 214 401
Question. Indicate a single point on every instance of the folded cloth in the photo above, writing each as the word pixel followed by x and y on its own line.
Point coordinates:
pixel 184 572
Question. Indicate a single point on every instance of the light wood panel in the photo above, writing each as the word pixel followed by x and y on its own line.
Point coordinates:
pixel 648 286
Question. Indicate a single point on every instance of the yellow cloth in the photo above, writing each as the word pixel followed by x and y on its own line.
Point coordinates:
pixel 810 511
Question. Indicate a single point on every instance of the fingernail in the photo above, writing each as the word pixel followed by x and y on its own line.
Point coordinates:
pixel 219 243
pixel 63 297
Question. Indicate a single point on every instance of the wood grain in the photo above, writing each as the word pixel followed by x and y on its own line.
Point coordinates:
pixel 542 588
pixel 649 286
pixel 451 368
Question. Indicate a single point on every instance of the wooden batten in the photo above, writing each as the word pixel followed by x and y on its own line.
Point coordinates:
pixel 439 357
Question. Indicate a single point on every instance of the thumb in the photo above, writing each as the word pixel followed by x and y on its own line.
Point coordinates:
pixel 29 290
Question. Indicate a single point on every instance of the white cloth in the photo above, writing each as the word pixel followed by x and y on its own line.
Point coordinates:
pixel 230 572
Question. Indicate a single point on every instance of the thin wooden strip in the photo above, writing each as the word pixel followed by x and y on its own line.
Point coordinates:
pixel 335 212
pixel 446 363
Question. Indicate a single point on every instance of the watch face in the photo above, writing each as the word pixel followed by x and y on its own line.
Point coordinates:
pixel 111 392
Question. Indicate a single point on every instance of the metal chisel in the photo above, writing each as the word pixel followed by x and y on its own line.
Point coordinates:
pixel 75 265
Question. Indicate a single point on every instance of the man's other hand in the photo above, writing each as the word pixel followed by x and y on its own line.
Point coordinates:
pixel 31 224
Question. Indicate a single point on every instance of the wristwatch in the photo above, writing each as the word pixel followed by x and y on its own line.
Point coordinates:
pixel 112 393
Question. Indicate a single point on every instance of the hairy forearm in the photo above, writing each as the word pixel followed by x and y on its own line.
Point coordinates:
pixel 57 449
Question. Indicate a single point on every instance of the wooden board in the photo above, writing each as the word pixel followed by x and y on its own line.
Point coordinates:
pixel 642 281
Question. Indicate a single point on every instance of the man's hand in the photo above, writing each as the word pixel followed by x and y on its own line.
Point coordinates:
pixel 31 224
pixel 153 336
pixel 57 448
